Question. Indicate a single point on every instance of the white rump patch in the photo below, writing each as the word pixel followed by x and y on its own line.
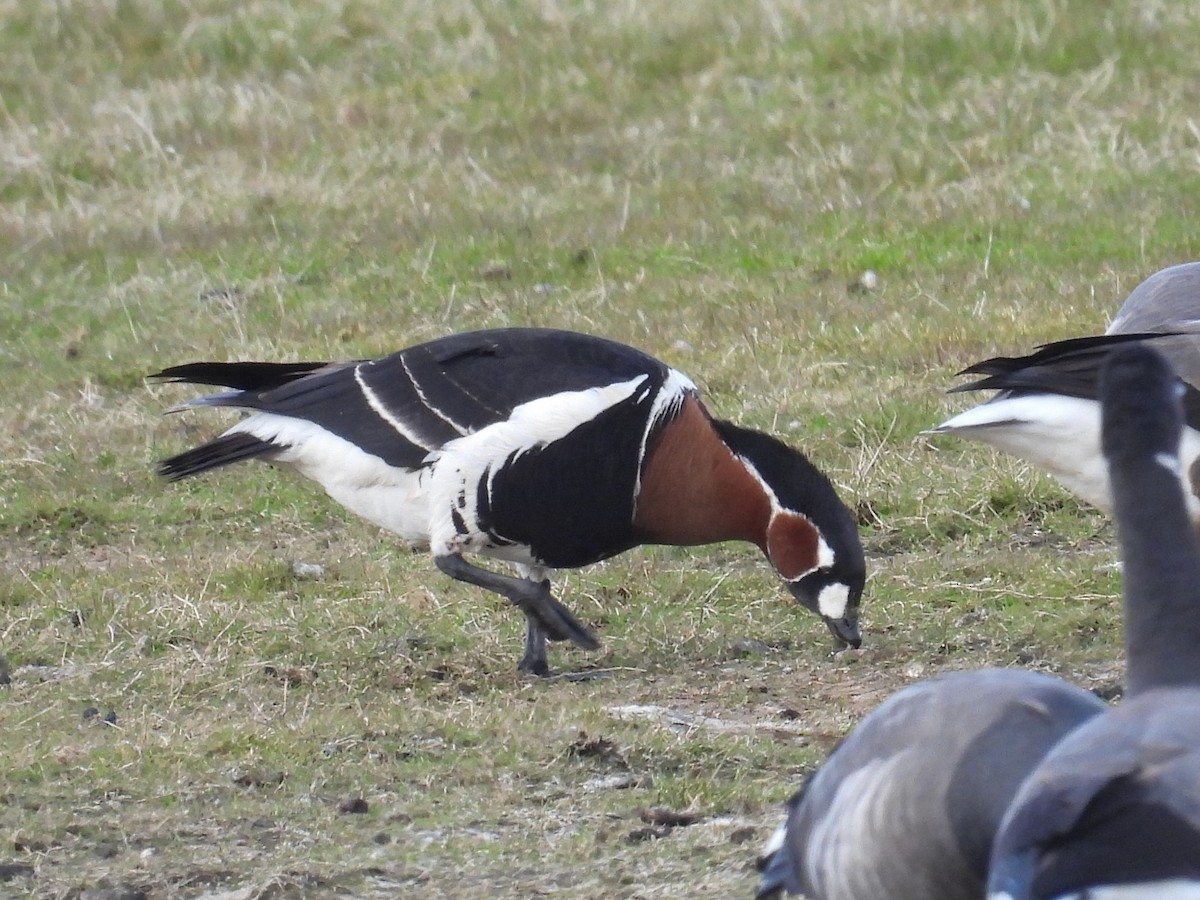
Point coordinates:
pixel 1061 436
pixel 832 600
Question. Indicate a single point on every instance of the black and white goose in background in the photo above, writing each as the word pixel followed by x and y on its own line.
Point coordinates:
pixel 1114 810
pixel 1047 411
pixel 548 449
pixel 907 805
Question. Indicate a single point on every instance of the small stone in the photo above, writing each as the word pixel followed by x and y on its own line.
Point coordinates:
pixel 640 835
pixel 90 713
pixel 742 835
pixel 9 871
pixel 748 647
pixel 256 777
pixel 382 838
pixel 307 571
pixel 656 815
pixel 353 805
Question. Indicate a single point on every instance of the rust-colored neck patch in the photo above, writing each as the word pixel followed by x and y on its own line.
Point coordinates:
pixel 793 545
pixel 695 491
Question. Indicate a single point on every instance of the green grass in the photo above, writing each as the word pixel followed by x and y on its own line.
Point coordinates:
pixel 284 181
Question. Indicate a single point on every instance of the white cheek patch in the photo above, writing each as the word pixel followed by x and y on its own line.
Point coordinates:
pixel 832 600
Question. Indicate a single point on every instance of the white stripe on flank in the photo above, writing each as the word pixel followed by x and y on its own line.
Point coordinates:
pixel 425 400
pixel 384 413
pixel 463 463
pixel 866 808
pixel 675 388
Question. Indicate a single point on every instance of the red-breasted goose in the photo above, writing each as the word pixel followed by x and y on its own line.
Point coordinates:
pixel 1114 810
pixel 549 449
pixel 1047 410
pixel 908 803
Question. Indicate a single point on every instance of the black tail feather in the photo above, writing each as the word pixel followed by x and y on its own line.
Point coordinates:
pixel 242 376
pixel 228 448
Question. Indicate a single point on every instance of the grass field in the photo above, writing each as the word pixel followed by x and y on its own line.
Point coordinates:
pixel 709 181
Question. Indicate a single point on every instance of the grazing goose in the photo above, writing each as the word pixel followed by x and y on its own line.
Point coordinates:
pixel 907 805
pixel 1114 810
pixel 1047 410
pixel 544 448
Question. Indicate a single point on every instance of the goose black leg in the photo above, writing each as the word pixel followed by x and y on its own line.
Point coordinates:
pixel 534 661
pixel 532 598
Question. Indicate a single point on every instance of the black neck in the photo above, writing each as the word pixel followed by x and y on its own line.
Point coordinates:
pixel 800 486
pixel 1159 547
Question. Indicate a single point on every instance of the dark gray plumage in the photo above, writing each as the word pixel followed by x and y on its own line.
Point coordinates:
pixel 1114 810
pixel 906 807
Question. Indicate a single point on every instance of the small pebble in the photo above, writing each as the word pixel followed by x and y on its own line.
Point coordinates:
pixel 749 647
pixel 353 805
pixel 308 571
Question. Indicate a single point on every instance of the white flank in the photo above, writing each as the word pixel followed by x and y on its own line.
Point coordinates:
pixel 832 600
pixel 460 465
pixel 775 844
pixel 388 496
pixel 844 843
pixel 384 413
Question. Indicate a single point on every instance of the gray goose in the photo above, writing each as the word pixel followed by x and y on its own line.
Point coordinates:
pixel 1114 810
pixel 1047 408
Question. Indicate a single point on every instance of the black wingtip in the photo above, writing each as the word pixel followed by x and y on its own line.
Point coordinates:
pixel 222 451
pixel 242 376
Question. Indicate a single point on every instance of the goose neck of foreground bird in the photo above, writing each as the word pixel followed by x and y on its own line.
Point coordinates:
pixel 1160 551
